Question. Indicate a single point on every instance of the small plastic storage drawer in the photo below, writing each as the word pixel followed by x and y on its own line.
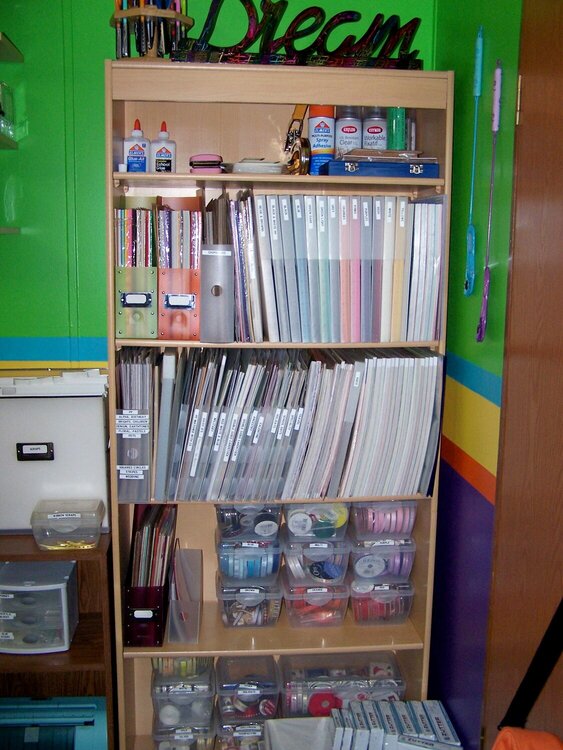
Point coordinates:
pixel 184 737
pixel 248 521
pixel 248 560
pixel 67 524
pixel 316 561
pixel 396 517
pixel 182 700
pixel 314 606
pixel 382 559
pixel 236 736
pixel 248 688
pixel 380 603
pixel 312 684
pixel 249 605
pixel 316 520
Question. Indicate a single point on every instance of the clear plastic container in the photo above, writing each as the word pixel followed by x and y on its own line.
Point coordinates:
pixel 248 521
pixel 249 605
pixel 248 560
pixel 243 736
pixel 313 561
pixel 382 559
pixel 380 603
pixel 67 524
pixel 312 684
pixel 182 700
pixel 316 520
pixel 184 737
pixel 248 688
pixel 314 605
pixel 394 518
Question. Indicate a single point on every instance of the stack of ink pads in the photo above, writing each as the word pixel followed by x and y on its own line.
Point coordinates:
pixel 316 555
pixel 248 563
pixel 183 695
pixel 381 559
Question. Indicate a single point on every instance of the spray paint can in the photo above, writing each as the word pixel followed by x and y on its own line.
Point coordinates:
pixel 396 128
pixel 347 130
pixel 374 128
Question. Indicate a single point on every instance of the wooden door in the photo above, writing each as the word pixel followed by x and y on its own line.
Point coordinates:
pixel 527 555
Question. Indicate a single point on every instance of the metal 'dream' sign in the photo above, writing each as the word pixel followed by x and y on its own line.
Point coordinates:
pixel 385 44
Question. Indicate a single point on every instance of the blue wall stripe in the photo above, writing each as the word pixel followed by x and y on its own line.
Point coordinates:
pixel 475 378
pixel 56 348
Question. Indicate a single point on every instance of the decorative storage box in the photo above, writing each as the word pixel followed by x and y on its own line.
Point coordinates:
pixel 183 699
pixel 313 561
pixel 38 606
pixel 380 603
pixel 313 684
pixel 249 605
pixel 320 520
pixel 67 524
pixel 248 521
pixel 394 517
pixel 313 606
pixel 248 688
pixel 248 560
pixel 382 559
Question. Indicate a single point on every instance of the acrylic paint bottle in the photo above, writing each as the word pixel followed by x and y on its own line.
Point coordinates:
pixel 163 152
pixel 321 135
pixel 136 150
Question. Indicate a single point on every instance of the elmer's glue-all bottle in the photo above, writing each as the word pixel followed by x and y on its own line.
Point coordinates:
pixel 136 150
pixel 163 152
pixel 321 135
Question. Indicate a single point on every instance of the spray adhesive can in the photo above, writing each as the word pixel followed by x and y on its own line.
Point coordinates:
pixel 321 135
pixel 163 152
pixel 136 150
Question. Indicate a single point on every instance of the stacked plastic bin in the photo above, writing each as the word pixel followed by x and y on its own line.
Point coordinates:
pixel 183 694
pixel 314 684
pixel 316 554
pixel 381 559
pixel 248 563
pixel 248 691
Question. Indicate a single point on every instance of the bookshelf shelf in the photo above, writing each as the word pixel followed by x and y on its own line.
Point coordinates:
pixel 208 109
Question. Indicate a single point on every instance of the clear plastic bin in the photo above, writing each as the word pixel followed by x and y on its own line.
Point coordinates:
pixel 317 520
pixel 381 559
pixel 182 700
pixel 314 606
pixel 380 603
pixel 245 560
pixel 396 518
pixel 315 561
pixel 312 684
pixel 186 737
pixel 67 524
pixel 248 521
pixel 248 688
pixel 249 605
pixel 236 736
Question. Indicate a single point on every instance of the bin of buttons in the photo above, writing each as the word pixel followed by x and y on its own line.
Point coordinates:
pixel 249 605
pixel 380 603
pixel 182 699
pixel 248 688
pixel 315 561
pixel 317 521
pixel 314 606
pixel 248 560
pixel 396 517
pixel 248 521
pixel 381 559
pixel 237 736
pixel 313 684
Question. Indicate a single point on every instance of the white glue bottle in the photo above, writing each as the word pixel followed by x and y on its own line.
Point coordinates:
pixel 136 150
pixel 163 152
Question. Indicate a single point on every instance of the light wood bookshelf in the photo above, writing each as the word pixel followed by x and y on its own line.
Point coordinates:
pixel 239 111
